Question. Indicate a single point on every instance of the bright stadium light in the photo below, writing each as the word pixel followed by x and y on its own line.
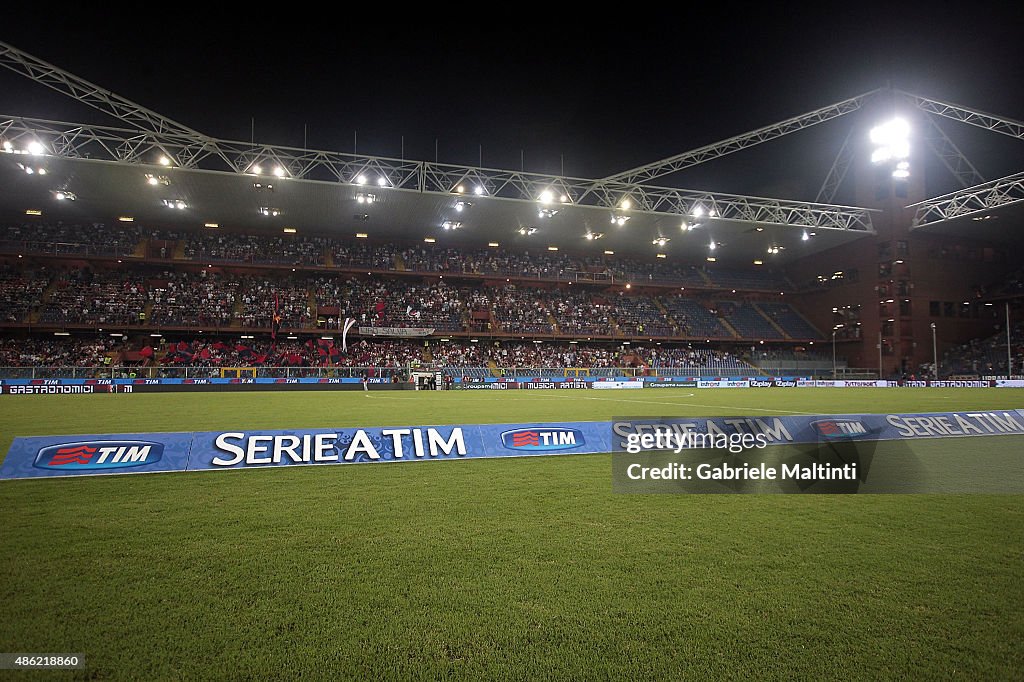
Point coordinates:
pixel 889 134
pixel 382 181
pixel 479 191
pixel 892 143
pixel 360 179
pixel 257 169
pixel 881 155
pixel 35 148
pixel 547 196
pixel 804 237
pixel 279 171
pixel 698 211
pixel 626 204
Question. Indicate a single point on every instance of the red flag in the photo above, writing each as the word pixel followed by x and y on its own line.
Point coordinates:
pixel 276 324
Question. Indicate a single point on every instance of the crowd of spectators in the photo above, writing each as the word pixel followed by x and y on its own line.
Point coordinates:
pixel 381 303
pixel 85 296
pixel 209 298
pixel 361 352
pixel 539 355
pixel 984 357
pixel 361 254
pixel 20 292
pixel 237 248
pixel 262 299
pixel 94 239
pixel 579 312
pixel 56 351
pixel 521 310
pixel 193 299
pixel 302 250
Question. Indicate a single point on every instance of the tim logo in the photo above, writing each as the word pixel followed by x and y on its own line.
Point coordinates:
pixel 839 428
pixel 99 454
pixel 543 439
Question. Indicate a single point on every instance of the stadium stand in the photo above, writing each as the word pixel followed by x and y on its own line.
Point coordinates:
pixel 984 357
pixel 754 280
pixel 78 239
pixel 693 318
pixel 83 296
pixel 193 300
pixel 640 316
pixel 791 322
pixel 747 320
pixel 253 249
pixel 20 292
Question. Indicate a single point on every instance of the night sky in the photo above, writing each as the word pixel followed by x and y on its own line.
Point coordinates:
pixel 551 88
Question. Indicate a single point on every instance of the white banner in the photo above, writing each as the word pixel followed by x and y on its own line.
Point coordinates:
pixel 396 331
pixel 618 384
pixel 724 383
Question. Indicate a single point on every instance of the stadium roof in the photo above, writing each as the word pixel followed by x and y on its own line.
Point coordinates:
pixel 233 202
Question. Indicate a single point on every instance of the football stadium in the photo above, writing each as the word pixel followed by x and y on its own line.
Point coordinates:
pixel 273 410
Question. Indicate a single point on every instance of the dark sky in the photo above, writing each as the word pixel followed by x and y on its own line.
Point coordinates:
pixel 607 91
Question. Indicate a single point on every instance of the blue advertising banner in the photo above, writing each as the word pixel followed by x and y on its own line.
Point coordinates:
pixel 50 456
pixel 745 432
pixel 137 453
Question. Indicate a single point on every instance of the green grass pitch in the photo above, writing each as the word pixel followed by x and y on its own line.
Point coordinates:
pixel 527 568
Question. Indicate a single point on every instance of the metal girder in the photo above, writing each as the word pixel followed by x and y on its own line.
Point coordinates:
pixel 837 173
pixel 997 124
pixel 87 93
pixel 977 199
pixel 680 203
pixel 734 144
pixel 962 169
pixel 74 140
